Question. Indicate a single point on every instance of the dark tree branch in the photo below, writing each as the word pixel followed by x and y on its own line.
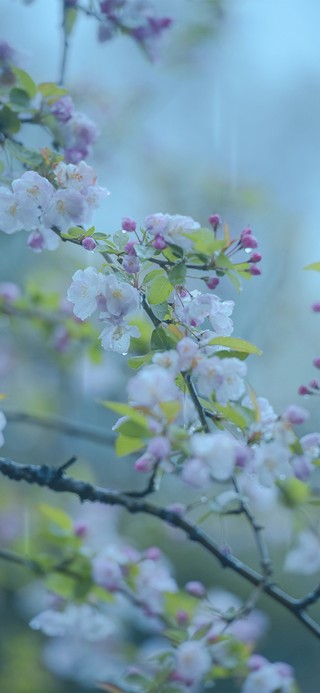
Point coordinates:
pixel 47 477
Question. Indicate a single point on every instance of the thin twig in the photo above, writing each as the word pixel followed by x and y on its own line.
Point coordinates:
pixel 265 560
pixel 194 397
pixel 68 428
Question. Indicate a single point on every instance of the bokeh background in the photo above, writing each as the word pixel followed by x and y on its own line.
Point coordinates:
pixel 228 121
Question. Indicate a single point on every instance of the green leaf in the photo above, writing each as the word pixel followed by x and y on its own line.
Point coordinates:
pixel 177 274
pixel 126 410
pixel 20 97
pixel 294 491
pixel 204 241
pixel 136 361
pixel 25 81
pixel 30 157
pixel 70 17
pixel 9 121
pixel 235 343
pixel 51 91
pixel 231 414
pixel 179 601
pixel 74 232
pixel 132 429
pixel 314 266
pixel 150 276
pixel 170 409
pixel 161 340
pixel 231 354
pixel 159 290
pixel 125 445
pixel 56 516
pixel 160 310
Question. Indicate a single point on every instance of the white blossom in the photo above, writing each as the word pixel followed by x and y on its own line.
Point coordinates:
pixel 151 386
pixel 192 661
pixel 224 377
pixel 218 451
pixel 3 422
pixel 269 678
pixel 84 292
pixel 304 558
pixel 116 337
pixel 172 228
pixel 120 298
pixel 83 621
pixel 152 581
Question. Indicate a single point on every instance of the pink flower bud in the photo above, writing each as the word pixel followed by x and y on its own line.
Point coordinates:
pixel 196 588
pixel 304 390
pixel 89 243
pixel 255 257
pixel 215 221
pixel 182 617
pixel 314 384
pixel 254 270
pixel 295 415
pixel 144 464
pixel 129 248
pixel 159 243
pixel 316 362
pixel 128 224
pixel 153 553
pixel 159 448
pixel 316 307
pixel 80 529
pixel 9 291
pixel 212 283
pixel 247 241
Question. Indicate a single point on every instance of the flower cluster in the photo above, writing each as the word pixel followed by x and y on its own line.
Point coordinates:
pixel 45 210
pixel 116 300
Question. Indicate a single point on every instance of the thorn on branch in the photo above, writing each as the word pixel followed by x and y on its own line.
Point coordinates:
pixel 60 471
